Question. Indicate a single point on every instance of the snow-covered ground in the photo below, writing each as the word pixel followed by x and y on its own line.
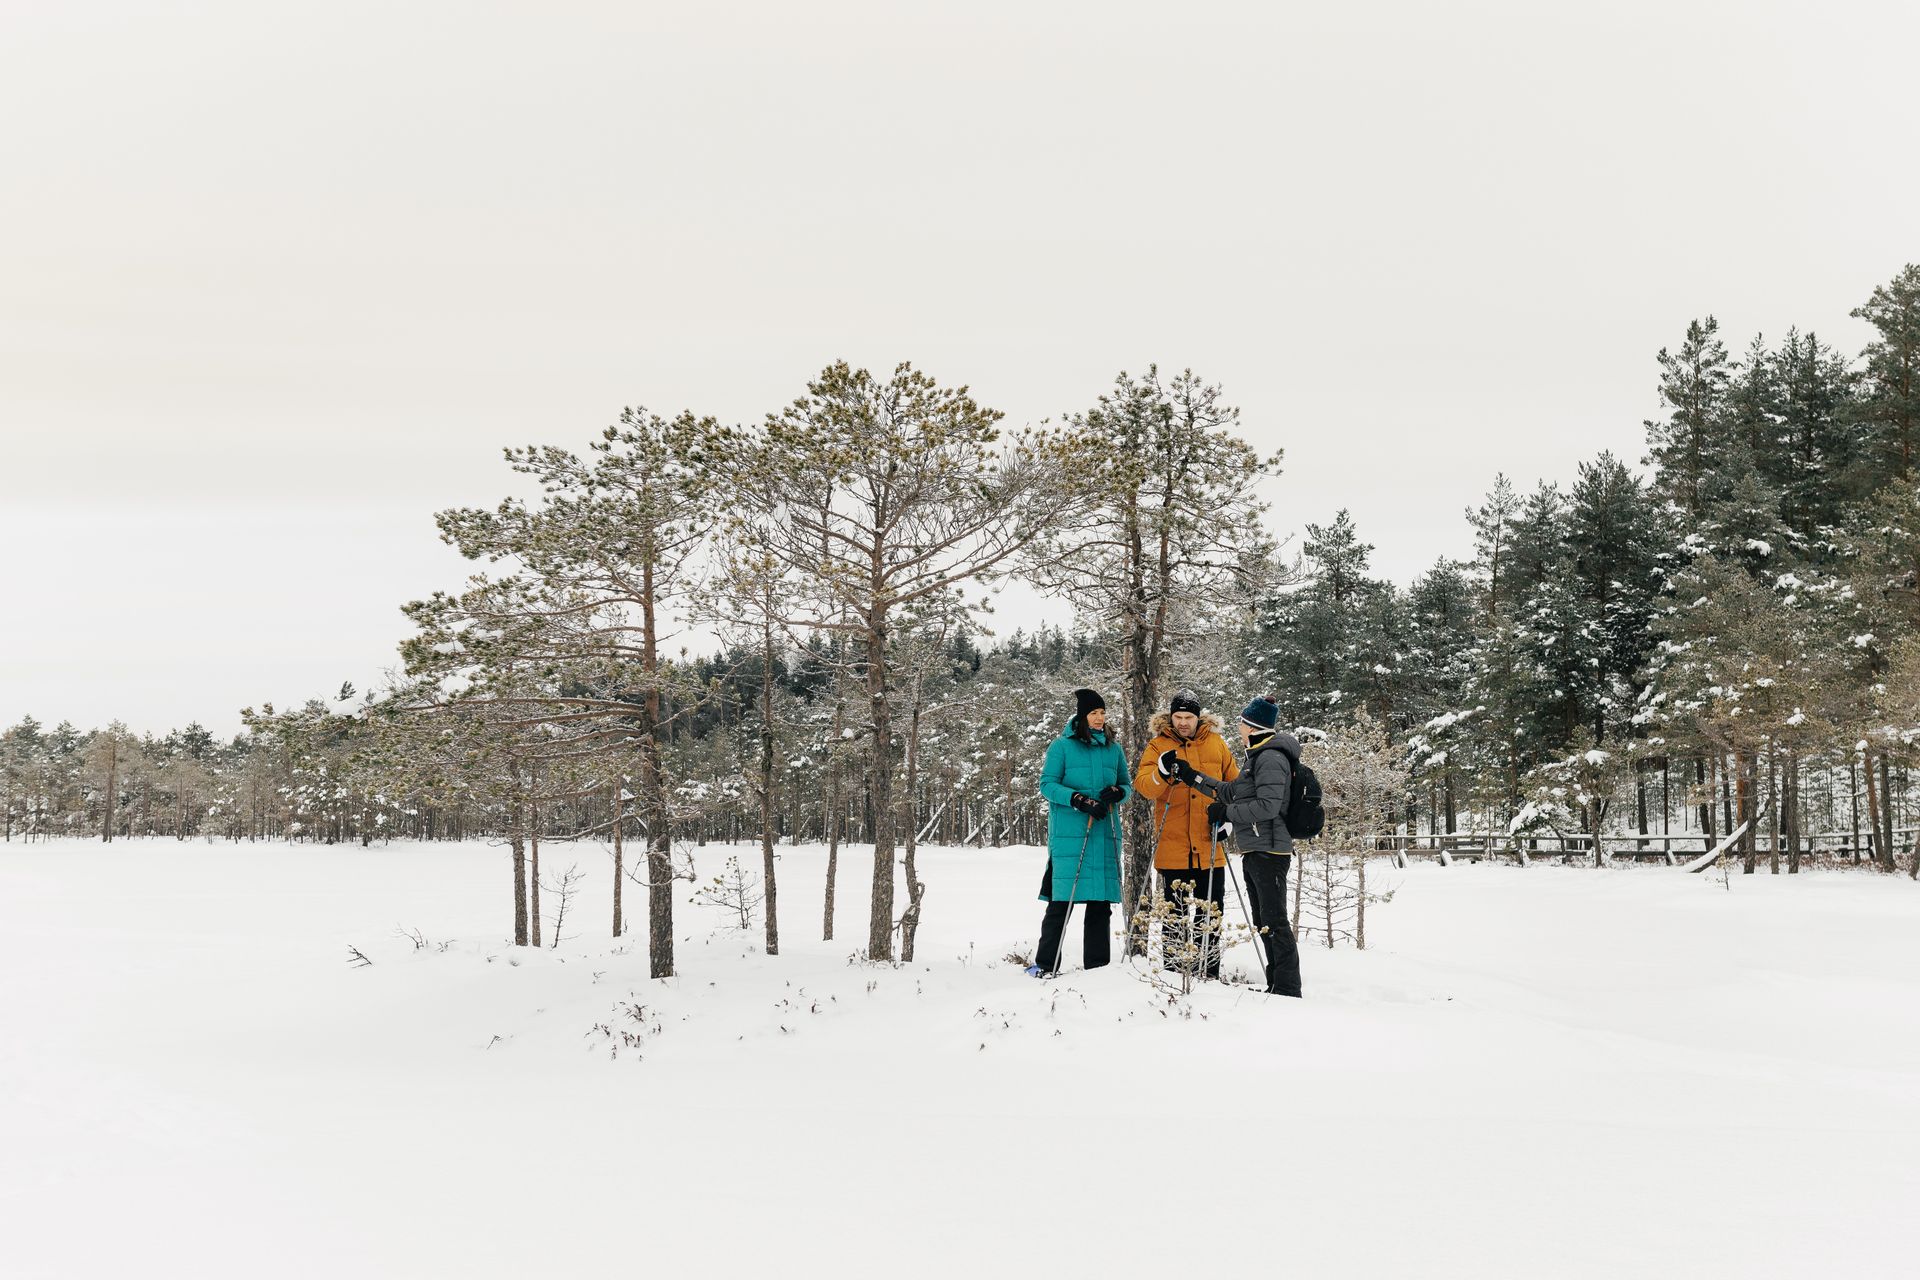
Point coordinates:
pixel 1536 1072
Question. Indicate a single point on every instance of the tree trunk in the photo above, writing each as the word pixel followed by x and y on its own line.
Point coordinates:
pixel 516 835
pixel 916 890
pixel 619 859
pixel 1299 892
pixel 1326 896
pixel 653 788
pixel 1728 772
pixel 1705 791
pixel 1666 813
pixel 1138 668
pixel 835 802
pixel 1773 810
pixel 766 782
pixel 1853 802
pixel 1881 854
pixel 1887 801
pixel 113 764
pixel 1792 800
pixel 533 860
pixel 1744 798
pixel 1360 900
pixel 659 865
pixel 880 914
pixel 1010 834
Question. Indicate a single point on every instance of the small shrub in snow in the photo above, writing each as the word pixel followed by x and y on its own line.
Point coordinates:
pixel 1175 938
pixel 735 893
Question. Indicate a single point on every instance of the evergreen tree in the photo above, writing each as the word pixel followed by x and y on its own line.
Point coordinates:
pixel 1315 647
pixel 880 497
pixel 1752 412
pixel 1684 446
pixel 573 637
pixel 1164 544
pixel 1492 523
pixel 1536 668
pixel 1818 463
pixel 1615 545
pixel 1537 546
pixel 1744 527
pixel 1436 674
pixel 1889 404
pixel 23 779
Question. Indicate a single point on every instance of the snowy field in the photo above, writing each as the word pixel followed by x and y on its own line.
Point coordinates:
pixel 1536 1072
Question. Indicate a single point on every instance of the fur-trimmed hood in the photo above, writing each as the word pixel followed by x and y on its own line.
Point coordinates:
pixel 1161 726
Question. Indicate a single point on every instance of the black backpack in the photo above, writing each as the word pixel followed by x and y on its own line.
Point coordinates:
pixel 1305 817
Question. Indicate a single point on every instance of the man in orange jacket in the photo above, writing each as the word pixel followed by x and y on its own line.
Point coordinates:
pixel 1185 851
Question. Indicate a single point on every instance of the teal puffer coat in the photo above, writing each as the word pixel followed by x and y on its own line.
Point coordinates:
pixel 1089 768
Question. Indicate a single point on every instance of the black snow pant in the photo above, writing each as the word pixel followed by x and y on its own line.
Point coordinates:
pixel 1267 899
pixel 1097 943
pixel 1208 886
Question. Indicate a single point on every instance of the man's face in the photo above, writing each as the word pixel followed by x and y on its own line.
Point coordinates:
pixel 1097 718
pixel 1185 723
pixel 1246 733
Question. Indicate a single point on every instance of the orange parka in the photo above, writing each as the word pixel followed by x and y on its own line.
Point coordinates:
pixel 1180 812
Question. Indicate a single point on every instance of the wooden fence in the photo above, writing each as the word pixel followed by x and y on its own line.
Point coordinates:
pixel 1674 850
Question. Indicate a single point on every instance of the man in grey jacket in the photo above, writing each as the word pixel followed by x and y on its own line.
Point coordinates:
pixel 1256 804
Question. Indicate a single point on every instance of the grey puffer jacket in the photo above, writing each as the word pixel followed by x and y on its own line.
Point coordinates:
pixel 1257 800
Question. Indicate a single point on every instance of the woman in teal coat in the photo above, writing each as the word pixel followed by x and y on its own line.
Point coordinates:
pixel 1084 780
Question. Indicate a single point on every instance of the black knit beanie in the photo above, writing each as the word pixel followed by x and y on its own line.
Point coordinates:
pixel 1085 702
pixel 1185 701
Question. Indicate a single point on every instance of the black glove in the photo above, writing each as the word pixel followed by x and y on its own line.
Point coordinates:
pixel 1169 763
pixel 1184 772
pixel 1217 812
pixel 1111 793
pixel 1085 804
pixel 1099 810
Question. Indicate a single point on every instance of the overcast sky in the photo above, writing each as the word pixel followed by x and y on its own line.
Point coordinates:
pixel 278 280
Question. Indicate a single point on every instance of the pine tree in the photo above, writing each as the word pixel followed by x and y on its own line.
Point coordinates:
pixel 1437 671
pixel 1684 446
pixel 1537 544
pixel 1316 649
pixel 573 637
pixel 1615 546
pixel 1819 462
pixel 22 778
pixel 1744 527
pixel 1164 542
pixel 1752 410
pixel 1535 668
pixel 1890 401
pixel 879 497
pixel 1492 523
pixel 1741 669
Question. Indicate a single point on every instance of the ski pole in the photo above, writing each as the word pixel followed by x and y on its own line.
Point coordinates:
pixel 1159 828
pixel 1060 952
pixel 1226 861
pixel 1152 886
